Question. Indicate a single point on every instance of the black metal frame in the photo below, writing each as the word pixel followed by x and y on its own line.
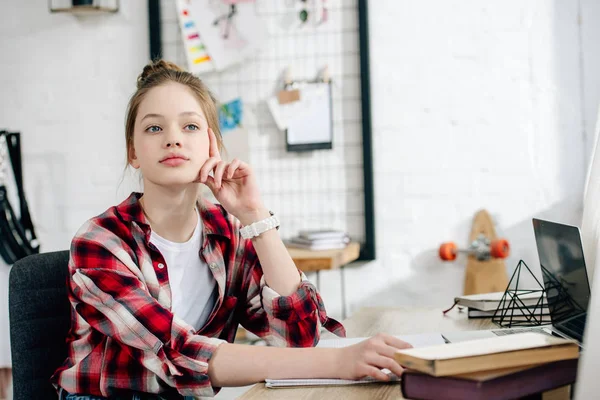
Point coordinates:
pixel 367 252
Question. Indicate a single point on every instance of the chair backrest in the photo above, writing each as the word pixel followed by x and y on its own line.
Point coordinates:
pixel 39 313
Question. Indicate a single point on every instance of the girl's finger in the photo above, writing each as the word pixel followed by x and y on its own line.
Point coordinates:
pixel 218 175
pixel 232 167
pixel 214 146
pixel 395 342
pixel 389 363
pixel 376 373
pixel 210 182
pixel 386 350
pixel 242 170
pixel 208 166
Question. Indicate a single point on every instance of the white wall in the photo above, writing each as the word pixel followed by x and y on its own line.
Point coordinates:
pixel 65 82
pixel 474 105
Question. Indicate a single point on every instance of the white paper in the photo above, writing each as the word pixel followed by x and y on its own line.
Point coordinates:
pixel 416 340
pixel 245 30
pixel 278 112
pixel 310 120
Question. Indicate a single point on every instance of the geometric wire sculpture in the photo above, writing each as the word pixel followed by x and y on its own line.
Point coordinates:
pixel 522 307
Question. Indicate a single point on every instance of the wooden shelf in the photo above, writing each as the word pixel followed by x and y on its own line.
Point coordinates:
pixel 313 260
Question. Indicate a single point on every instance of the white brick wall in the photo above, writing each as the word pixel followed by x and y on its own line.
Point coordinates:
pixel 65 82
pixel 475 104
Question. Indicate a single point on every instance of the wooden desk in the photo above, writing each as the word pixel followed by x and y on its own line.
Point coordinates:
pixel 315 261
pixel 367 322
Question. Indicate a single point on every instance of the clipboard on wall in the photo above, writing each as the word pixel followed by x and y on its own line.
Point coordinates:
pixel 311 128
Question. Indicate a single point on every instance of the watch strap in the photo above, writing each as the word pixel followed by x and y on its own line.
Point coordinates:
pixel 259 227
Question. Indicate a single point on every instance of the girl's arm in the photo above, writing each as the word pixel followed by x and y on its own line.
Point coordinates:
pixel 234 186
pixel 278 267
pixel 287 304
pixel 239 365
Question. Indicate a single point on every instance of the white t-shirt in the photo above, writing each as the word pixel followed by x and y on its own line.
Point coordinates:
pixel 193 286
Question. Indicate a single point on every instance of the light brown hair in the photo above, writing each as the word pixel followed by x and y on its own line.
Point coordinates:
pixel 158 73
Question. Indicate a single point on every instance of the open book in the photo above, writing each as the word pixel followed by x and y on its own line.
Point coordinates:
pixel 488 354
pixel 419 340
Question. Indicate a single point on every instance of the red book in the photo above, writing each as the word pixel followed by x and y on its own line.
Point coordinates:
pixel 510 383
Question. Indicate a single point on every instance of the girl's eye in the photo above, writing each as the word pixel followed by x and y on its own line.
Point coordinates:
pixel 192 127
pixel 153 129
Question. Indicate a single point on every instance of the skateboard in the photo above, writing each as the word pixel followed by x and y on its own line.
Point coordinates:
pixel 486 271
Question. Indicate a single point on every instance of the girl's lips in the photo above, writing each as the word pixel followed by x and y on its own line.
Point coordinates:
pixel 173 162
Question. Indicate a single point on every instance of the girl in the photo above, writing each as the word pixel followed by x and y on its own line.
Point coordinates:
pixel 159 283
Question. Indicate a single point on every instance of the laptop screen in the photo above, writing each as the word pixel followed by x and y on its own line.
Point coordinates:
pixel 564 273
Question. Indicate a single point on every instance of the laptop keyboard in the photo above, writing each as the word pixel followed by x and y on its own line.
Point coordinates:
pixel 576 326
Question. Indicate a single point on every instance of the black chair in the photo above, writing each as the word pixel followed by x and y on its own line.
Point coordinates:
pixel 39 313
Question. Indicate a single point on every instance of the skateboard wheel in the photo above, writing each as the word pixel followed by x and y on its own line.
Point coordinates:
pixel 499 248
pixel 448 251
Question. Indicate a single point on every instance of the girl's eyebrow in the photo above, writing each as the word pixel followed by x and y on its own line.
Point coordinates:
pixel 185 113
pixel 151 116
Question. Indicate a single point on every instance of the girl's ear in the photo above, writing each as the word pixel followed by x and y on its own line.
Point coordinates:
pixel 133 161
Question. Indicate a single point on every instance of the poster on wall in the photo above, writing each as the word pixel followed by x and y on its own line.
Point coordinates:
pixel 230 29
pixel 197 57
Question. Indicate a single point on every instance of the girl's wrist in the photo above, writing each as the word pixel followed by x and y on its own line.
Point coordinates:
pixel 326 364
pixel 337 362
pixel 252 216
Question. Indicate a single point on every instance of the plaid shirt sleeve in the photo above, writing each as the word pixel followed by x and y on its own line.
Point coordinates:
pixel 110 293
pixel 293 320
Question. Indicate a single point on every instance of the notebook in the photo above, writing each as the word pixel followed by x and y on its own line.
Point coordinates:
pixel 419 340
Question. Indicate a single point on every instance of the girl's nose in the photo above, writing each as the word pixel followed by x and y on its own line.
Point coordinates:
pixel 173 144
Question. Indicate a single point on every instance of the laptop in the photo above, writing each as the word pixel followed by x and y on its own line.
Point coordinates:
pixel 566 282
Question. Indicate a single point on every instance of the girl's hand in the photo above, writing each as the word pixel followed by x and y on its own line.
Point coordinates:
pixel 368 357
pixel 233 185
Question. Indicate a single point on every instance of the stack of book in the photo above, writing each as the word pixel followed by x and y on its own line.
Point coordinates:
pixel 320 240
pixel 504 367
pixel 485 306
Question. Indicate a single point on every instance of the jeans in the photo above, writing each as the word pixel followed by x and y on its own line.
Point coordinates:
pixel 64 395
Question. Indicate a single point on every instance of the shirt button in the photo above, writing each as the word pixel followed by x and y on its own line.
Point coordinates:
pixel 213 265
pixel 161 265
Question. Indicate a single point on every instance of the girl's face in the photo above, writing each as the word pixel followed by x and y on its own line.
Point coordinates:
pixel 170 140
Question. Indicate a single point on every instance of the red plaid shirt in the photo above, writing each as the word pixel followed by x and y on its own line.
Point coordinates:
pixel 123 335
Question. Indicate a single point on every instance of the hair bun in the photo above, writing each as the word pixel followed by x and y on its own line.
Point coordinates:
pixel 155 67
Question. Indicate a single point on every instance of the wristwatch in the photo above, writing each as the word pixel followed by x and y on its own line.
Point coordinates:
pixel 258 227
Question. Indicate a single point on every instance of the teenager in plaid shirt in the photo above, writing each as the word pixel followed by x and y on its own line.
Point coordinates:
pixel 159 283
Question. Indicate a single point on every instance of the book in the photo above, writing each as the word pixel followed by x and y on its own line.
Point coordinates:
pixel 317 246
pixel 322 234
pixel 417 340
pixel 507 383
pixel 488 354
pixel 491 301
pixel 301 240
pixel 516 314
pixel 319 240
